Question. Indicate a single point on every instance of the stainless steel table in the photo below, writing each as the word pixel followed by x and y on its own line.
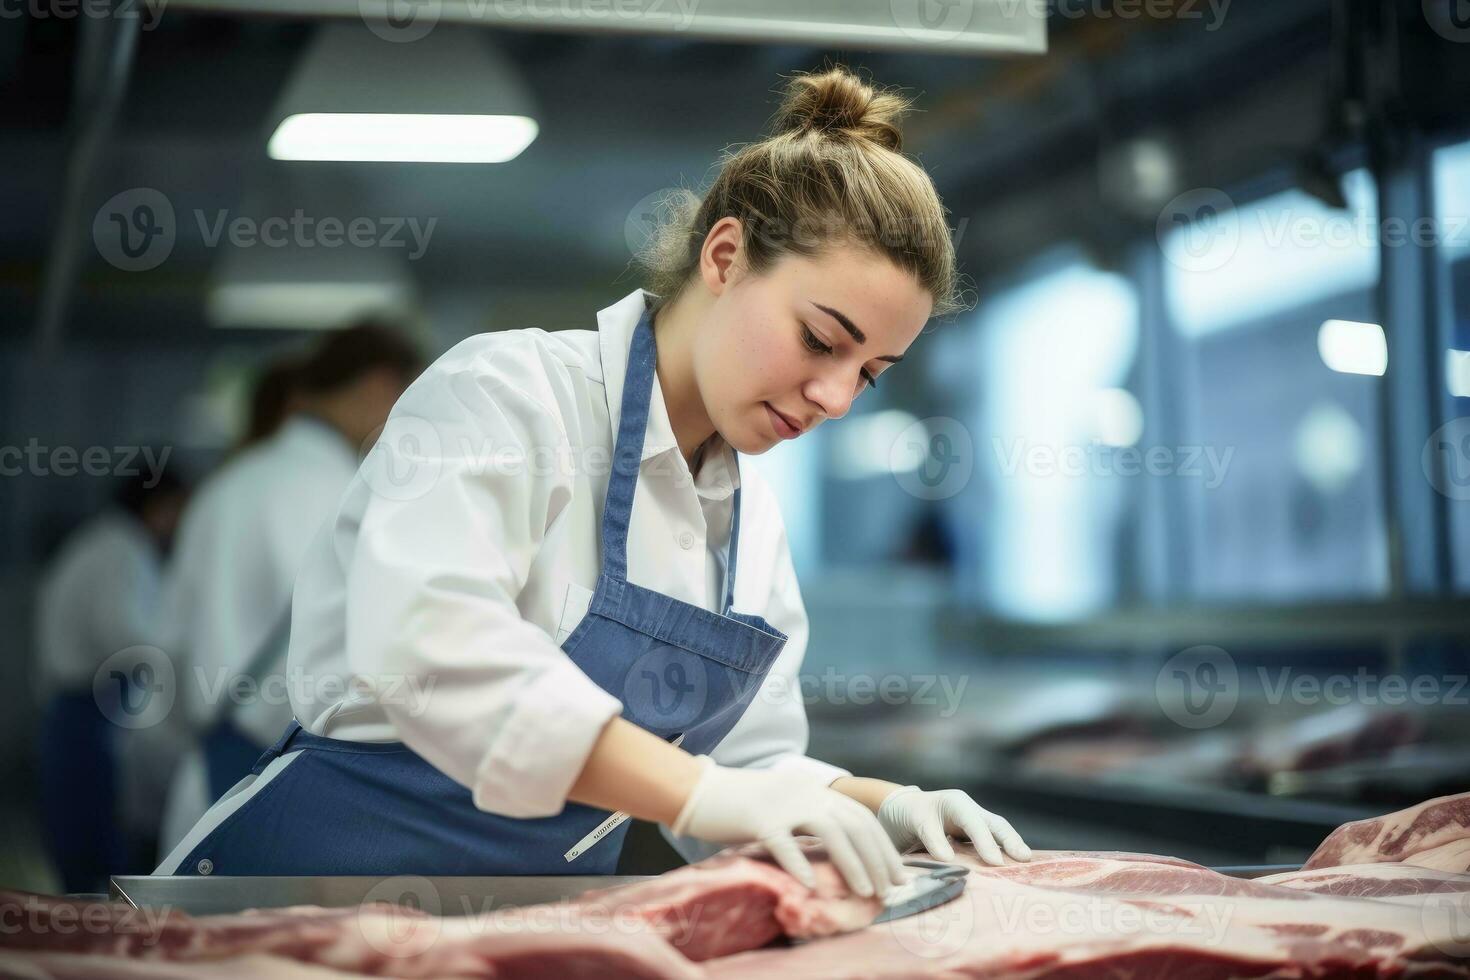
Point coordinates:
pixel 219 894
pixel 215 895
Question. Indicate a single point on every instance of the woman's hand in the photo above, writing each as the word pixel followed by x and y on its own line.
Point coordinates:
pixel 733 806
pixel 912 816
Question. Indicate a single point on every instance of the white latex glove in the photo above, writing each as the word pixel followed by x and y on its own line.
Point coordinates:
pixel 734 806
pixel 912 816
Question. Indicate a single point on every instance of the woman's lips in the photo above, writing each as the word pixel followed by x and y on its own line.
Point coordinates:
pixel 783 428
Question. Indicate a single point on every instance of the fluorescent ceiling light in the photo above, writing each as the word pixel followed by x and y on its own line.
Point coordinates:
pixel 302 305
pixel 1350 347
pixel 302 282
pixel 402 137
pixel 1457 372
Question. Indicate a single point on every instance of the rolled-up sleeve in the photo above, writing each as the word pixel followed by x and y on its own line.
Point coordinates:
pixel 460 491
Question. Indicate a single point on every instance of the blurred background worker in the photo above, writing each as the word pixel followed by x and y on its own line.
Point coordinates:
pixel 273 399
pixel 99 596
pixel 229 591
pixel 151 753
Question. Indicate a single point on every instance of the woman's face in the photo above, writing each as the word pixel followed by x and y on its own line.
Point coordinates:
pixel 783 343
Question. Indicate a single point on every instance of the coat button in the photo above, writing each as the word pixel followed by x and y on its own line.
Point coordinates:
pixel 686 540
pixel 206 866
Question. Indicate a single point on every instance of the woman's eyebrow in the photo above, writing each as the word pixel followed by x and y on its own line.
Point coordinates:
pixel 852 328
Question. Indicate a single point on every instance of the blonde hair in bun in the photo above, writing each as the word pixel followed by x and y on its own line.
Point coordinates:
pixel 831 170
pixel 837 103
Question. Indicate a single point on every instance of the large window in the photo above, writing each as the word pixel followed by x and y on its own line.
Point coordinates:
pixel 1055 439
pixel 1279 382
pixel 1452 443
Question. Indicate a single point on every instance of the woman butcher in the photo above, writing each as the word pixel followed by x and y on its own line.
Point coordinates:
pixel 528 597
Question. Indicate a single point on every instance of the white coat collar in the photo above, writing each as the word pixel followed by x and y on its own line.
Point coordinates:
pixel 128 526
pixel 310 434
pixel 615 325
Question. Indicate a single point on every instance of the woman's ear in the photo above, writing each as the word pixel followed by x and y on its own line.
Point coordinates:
pixel 721 257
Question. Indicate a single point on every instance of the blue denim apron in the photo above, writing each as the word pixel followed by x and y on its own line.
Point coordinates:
pixel 377 808
pixel 229 755
pixel 78 792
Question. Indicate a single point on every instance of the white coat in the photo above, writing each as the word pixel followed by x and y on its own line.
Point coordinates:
pixel 100 596
pixel 432 611
pixel 97 597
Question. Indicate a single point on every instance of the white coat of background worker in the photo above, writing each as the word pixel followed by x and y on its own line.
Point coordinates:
pixel 240 543
pixel 554 594
pixel 98 597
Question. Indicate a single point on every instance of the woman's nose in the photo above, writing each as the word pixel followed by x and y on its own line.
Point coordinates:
pixel 830 395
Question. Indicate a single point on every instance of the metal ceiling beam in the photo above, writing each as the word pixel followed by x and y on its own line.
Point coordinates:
pixel 973 27
pixel 104 59
pixel 1028 155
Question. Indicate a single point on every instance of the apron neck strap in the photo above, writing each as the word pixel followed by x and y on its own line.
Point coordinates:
pixel 628 450
pixel 628 456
